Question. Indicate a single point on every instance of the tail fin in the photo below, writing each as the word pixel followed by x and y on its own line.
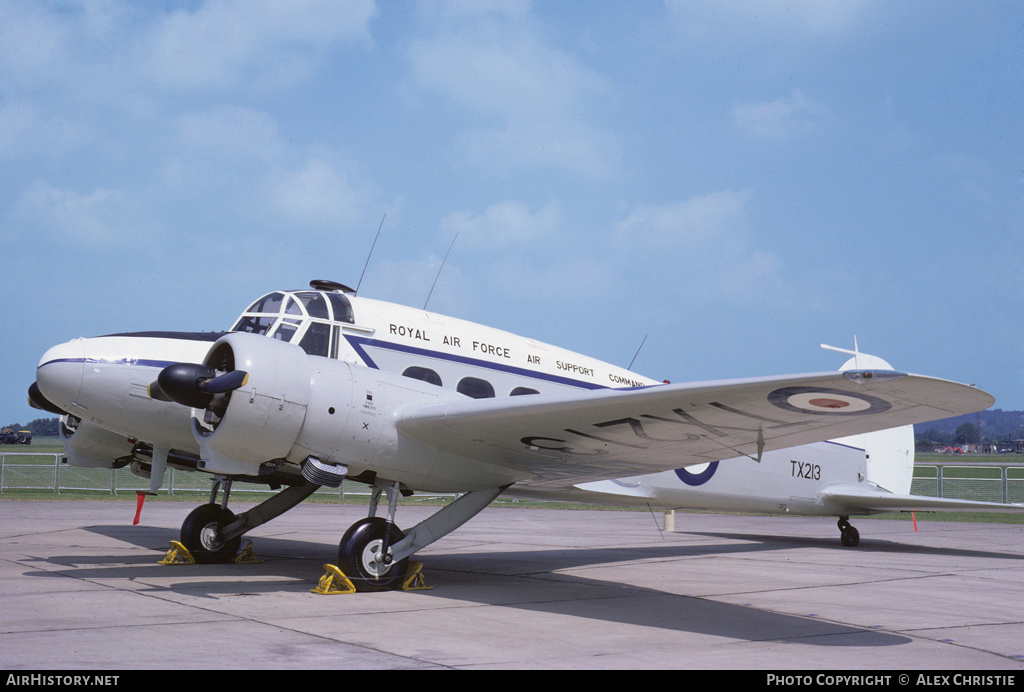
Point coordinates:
pixel 889 453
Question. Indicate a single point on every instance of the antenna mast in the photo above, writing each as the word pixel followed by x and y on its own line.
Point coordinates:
pixel 439 270
pixel 371 251
pixel 630 366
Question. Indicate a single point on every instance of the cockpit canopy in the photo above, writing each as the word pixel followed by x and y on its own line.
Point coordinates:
pixel 310 319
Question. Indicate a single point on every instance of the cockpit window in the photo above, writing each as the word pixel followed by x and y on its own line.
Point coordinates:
pixel 287 330
pixel 251 324
pixel 315 304
pixel 268 303
pixel 317 339
pixel 342 308
pixel 284 315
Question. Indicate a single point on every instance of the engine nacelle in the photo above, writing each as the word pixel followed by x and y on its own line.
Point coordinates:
pixel 260 420
pixel 294 406
pixel 90 446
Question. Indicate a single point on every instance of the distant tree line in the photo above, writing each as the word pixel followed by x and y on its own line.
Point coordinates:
pixel 985 427
pixel 40 427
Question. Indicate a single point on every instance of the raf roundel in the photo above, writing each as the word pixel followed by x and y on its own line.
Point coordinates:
pixel 827 402
pixel 697 475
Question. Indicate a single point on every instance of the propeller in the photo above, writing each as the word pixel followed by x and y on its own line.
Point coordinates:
pixel 194 385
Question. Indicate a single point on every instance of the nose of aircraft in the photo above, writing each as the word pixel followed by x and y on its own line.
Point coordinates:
pixel 59 374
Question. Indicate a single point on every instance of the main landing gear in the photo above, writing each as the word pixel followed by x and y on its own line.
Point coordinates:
pixel 212 533
pixel 848 536
pixel 374 553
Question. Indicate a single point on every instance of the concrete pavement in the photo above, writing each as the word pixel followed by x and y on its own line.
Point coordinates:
pixel 80 588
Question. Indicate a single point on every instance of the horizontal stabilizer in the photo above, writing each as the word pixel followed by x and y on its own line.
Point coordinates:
pixel 856 499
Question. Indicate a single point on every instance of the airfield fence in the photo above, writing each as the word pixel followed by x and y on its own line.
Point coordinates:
pixel 44 472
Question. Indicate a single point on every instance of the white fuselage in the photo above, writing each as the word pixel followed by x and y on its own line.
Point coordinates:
pixel 103 383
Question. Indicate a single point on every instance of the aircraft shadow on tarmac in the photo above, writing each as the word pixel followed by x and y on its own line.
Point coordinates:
pixel 500 579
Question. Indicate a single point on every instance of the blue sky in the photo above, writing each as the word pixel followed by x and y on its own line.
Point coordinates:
pixel 737 181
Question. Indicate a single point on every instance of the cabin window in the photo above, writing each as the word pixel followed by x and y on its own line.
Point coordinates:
pixel 317 339
pixel 519 391
pixel 475 388
pixel 424 374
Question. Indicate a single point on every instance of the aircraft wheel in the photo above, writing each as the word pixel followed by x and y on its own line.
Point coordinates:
pixel 200 533
pixel 848 536
pixel 357 556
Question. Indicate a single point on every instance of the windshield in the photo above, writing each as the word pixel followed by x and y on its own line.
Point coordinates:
pixel 305 318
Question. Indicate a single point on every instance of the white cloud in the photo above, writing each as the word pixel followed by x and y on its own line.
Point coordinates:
pixel 501 225
pixel 703 245
pixel 230 132
pixel 228 42
pixel 802 17
pixel 24 130
pixel 319 195
pixel 89 217
pixel 532 101
pixel 700 220
pixel 778 119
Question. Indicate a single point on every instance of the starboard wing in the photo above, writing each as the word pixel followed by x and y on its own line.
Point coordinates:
pixel 560 439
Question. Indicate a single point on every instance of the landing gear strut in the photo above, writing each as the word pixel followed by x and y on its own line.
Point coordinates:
pixel 213 533
pixel 848 536
pixel 374 553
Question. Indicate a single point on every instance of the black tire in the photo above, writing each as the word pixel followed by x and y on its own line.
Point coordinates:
pixel 850 537
pixel 356 550
pixel 200 533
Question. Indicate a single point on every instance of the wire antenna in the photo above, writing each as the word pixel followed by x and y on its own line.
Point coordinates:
pixel 439 270
pixel 630 366
pixel 371 251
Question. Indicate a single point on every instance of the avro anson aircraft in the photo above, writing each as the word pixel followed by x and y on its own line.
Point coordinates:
pixel 313 386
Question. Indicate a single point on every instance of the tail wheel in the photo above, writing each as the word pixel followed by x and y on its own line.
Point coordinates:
pixel 848 536
pixel 201 534
pixel 359 555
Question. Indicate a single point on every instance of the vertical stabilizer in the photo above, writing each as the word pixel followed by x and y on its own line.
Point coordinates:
pixel 890 453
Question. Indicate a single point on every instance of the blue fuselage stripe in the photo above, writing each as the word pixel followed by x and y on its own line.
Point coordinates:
pixel 360 343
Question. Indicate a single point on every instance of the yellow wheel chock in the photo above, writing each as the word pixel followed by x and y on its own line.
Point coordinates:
pixel 247 555
pixel 178 555
pixel 414 578
pixel 326 587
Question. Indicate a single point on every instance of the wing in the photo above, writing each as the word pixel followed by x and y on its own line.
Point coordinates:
pixel 851 499
pixel 559 440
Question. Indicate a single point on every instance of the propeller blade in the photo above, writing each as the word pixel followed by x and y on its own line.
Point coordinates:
pixel 155 392
pixel 225 383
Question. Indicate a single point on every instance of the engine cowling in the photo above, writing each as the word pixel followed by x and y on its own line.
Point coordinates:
pixel 260 420
pixel 89 446
pixel 293 406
